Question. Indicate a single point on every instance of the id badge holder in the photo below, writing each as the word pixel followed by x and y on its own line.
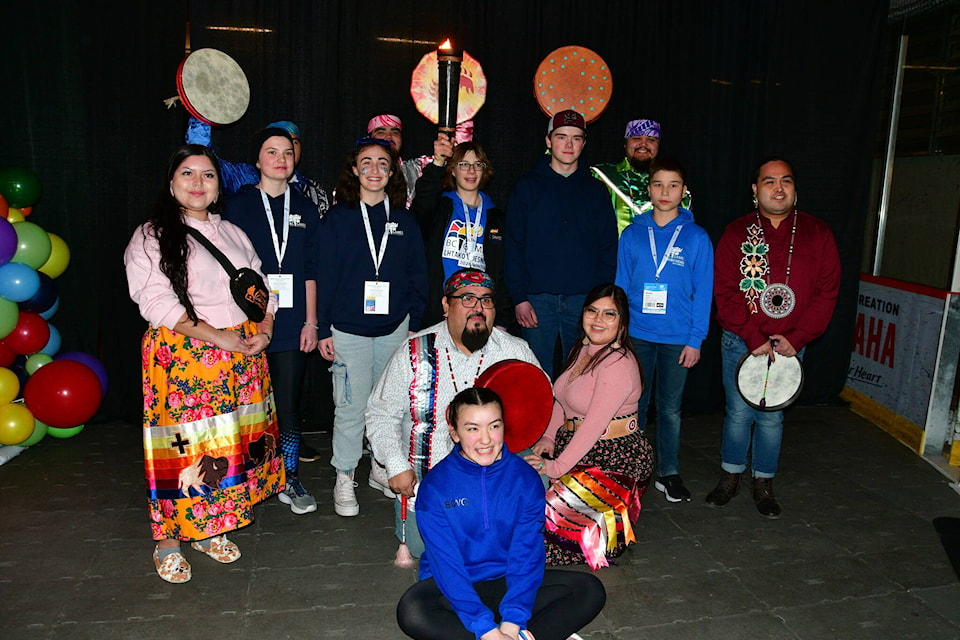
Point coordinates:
pixel 655 297
pixel 376 298
pixel 282 285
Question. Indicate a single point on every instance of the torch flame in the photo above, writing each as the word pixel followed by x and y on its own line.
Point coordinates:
pixel 446 44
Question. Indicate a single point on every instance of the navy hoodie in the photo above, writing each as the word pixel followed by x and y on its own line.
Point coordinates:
pixel 561 235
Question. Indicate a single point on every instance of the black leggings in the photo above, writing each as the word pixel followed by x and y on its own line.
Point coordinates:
pixel 286 374
pixel 566 602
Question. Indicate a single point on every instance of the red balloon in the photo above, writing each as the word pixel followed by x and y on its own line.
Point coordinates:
pixel 4 207
pixel 7 357
pixel 29 336
pixel 63 394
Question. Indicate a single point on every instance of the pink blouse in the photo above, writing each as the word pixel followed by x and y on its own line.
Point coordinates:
pixel 208 281
pixel 612 389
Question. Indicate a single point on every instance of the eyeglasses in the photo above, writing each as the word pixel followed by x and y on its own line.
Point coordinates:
pixel 477 166
pixel 366 142
pixel 469 301
pixel 608 315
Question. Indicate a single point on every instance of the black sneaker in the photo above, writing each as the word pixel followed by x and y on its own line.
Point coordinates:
pixel 307 453
pixel 728 487
pixel 672 488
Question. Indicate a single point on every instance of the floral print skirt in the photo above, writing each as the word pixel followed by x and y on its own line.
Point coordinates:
pixel 630 455
pixel 209 435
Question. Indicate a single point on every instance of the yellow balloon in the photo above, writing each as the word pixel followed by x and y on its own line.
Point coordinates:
pixel 15 215
pixel 59 258
pixel 9 386
pixel 16 423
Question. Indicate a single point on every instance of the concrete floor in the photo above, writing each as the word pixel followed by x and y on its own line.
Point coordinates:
pixel 854 556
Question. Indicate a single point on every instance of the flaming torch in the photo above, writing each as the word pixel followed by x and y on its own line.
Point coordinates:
pixel 448 66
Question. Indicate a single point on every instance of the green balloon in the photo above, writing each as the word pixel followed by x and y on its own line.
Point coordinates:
pixel 20 186
pixel 36 361
pixel 69 432
pixel 33 244
pixel 9 315
pixel 39 431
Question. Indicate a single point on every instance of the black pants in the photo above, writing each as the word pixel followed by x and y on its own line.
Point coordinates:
pixel 566 602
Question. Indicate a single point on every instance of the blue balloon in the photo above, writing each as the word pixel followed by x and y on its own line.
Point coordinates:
pixel 18 282
pixel 44 298
pixel 46 315
pixel 53 344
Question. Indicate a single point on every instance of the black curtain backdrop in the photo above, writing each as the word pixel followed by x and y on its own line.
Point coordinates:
pixel 730 82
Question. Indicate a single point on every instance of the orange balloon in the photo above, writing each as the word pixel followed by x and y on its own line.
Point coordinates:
pixel 26 211
pixel 4 207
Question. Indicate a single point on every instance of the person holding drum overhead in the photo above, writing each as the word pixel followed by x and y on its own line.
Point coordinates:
pixel 776 281
pixel 283 226
pixel 372 289
pixel 209 430
pixel 461 226
pixel 594 422
pixel 482 575
pixel 405 413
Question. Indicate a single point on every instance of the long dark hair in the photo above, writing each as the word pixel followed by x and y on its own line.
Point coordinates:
pixel 166 224
pixel 474 396
pixel 348 185
pixel 621 344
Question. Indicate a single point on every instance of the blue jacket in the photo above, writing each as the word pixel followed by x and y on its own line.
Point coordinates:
pixel 561 233
pixel 245 209
pixel 346 264
pixel 483 523
pixel 688 274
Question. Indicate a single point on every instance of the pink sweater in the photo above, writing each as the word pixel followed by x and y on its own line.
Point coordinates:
pixel 612 389
pixel 208 282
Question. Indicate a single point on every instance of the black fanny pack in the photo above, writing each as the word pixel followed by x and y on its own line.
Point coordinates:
pixel 246 285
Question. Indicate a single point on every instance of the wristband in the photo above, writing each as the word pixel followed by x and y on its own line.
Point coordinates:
pixel 310 324
pixel 269 337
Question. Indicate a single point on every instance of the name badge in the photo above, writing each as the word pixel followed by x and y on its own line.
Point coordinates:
pixel 376 298
pixel 282 285
pixel 655 297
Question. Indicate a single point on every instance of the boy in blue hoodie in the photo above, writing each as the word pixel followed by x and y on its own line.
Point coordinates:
pixel 481 513
pixel 665 264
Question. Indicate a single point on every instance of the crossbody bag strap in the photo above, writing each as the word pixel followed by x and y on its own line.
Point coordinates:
pixel 216 253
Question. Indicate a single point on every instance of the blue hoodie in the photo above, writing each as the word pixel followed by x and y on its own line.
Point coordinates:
pixel 483 523
pixel 688 274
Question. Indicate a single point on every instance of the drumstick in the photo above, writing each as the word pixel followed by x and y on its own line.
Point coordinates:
pixel 404 558
pixel 766 379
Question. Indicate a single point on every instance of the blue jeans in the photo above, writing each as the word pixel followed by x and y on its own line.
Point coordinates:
pixel 357 364
pixel 557 314
pixel 662 373
pixel 768 433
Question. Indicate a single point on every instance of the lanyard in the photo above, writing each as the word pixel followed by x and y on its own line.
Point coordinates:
pixel 472 233
pixel 377 259
pixel 653 249
pixel 279 249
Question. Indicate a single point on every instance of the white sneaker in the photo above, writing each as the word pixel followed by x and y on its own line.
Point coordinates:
pixel 378 479
pixel 344 497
